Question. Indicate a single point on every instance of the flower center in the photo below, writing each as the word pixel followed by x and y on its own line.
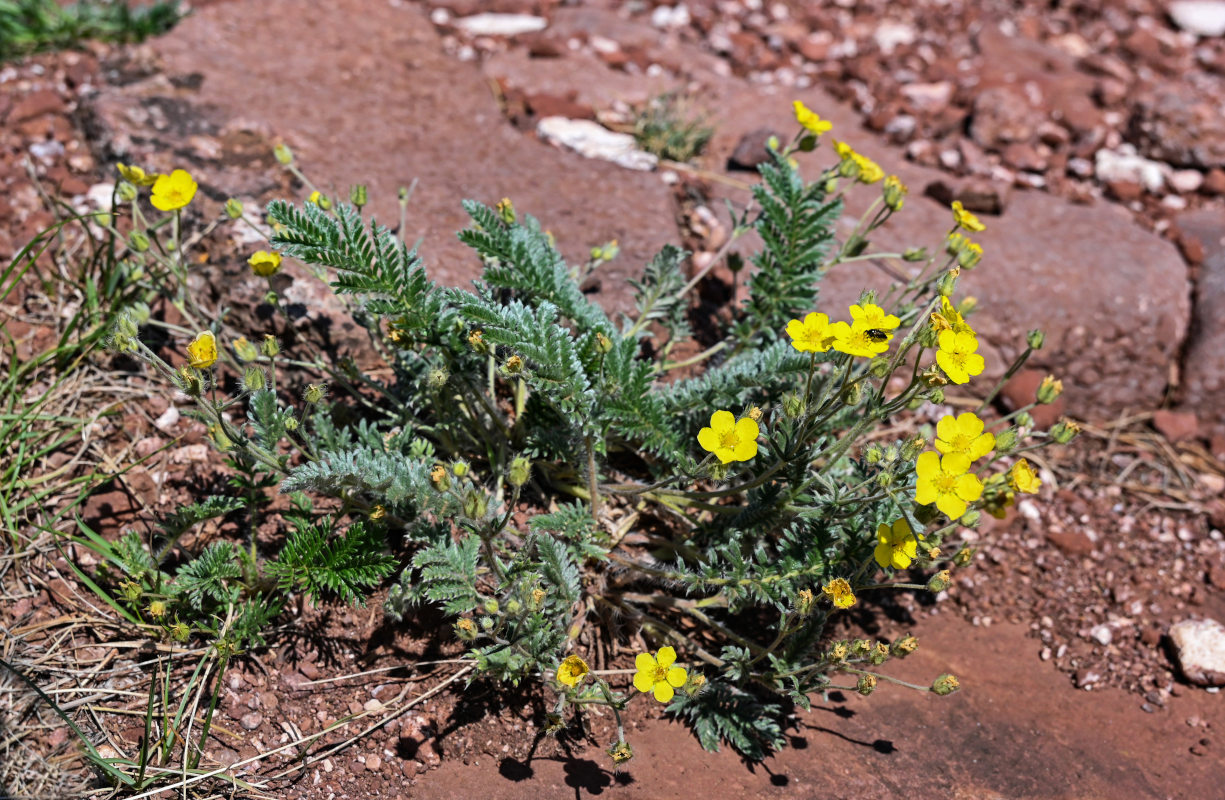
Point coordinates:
pixel 959 358
pixel 961 443
pixel 661 674
pixel 945 484
pixel 729 439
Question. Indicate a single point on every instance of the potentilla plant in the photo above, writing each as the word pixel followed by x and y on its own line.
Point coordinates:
pixel 563 493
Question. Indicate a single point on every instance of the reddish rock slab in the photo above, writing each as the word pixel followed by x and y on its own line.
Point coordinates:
pixel 366 94
pixel 1203 372
pixel 1112 298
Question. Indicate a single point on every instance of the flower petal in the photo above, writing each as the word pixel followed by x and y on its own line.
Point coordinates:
pixel 955 464
pixel 708 439
pixel 946 429
pixel 975 364
pixel 666 656
pixel 951 506
pixel 663 692
pixel 970 424
pixel 747 429
pixel 644 681
pixel 925 492
pixel 644 662
pixel 928 465
pixel 947 340
pixel 722 420
pixel 969 487
pixel 744 450
pixel 981 446
pixel 900 559
pixel 883 555
pixel 677 677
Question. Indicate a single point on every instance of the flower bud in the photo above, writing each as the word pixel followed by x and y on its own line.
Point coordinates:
pixel 460 468
pixel 233 208
pixel 873 454
pixel 180 632
pixel 967 306
pixel 315 392
pixel 358 196
pixel 138 241
pixel 904 646
pixel 861 647
pixel 283 154
pixel 131 591
pixel 970 518
pixel 476 340
pixel 914 254
pixel 879 367
pixel 220 439
pixel 513 606
pixel 437 378
pixel 892 452
pixel 695 684
pixel 884 480
pixel 947 283
pixel 253 379
pixel 126 192
pixel 1049 390
pixel 1025 420
pixel 602 343
pixel 793 406
pixel 378 512
pixel 945 685
pixel 270 347
pixel 804 602
pixel 291 424
pixel 244 349
pixel 939 582
pixel 190 381
pixel 866 684
pixel 1005 440
pixel 954 243
pixel 831 186
pixel 894 193
pixel 963 556
pixel 506 211
pixel 440 478
pixel 1064 430
pixel 475 504
pixel 487 624
pixel 513 365
pixel 912 448
pixel 970 255
pixel 807 143
pixel 880 654
pixel 491 606
pixel 936 395
pixel 520 471
pixel 851 393
pixel 1035 339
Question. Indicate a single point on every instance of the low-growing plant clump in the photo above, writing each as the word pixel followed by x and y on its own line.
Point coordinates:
pixel 560 489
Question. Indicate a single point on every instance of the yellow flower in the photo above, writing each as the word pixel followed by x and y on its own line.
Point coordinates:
pixel 656 674
pixel 572 671
pixel 136 175
pixel 957 356
pixel 896 544
pixel 728 438
pixel 839 593
pixel 173 191
pixel 812 335
pixel 157 609
pixel 1023 478
pixel 265 264
pixel 202 352
pixel 963 435
pixel 857 340
pixel 869 170
pixel 810 120
pixel 870 315
pixel 314 197
pixel 378 512
pixel 966 219
pixel 844 150
pixel 948 318
pixel 946 482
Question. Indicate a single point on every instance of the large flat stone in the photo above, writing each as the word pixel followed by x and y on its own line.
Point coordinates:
pixel 364 93
pixel 1203 376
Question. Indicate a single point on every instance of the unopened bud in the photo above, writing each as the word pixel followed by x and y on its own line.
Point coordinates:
pixel 939 582
pixel 506 211
pixel 1035 339
pixel 936 395
pixel 880 654
pixel 954 244
pixel 487 624
pixel 603 343
pixel 270 347
pixel 126 192
pixel 460 468
pixel 884 480
pixel 807 143
pixel 866 684
pixel 947 283
pixel 283 154
pixel 1005 440
pixel 520 471
pixel 851 393
pixel 804 602
pixel 970 255
pixel 945 685
pixel 315 392
pixel 970 518
pixel 291 424
pixel 963 556
pixel 437 378
pixel 914 254
pixel 831 186
pixel 879 367
pixel 244 349
pixel 1049 390
pixel 491 606
pixel 513 606
pixel 233 208
pixel 358 196
pixel 793 406
pixel 873 454
pixel 253 379
pixel 894 193
pixel 138 241
pixel 1025 420
pixel 1064 430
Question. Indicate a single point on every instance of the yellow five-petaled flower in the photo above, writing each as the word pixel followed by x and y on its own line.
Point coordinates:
pixel 810 120
pixel 173 191
pixel 812 335
pixel 1022 478
pixel 947 482
pixel 963 435
pixel 728 438
pixel 656 674
pixel 265 264
pixel 896 544
pixel 572 671
pixel 136 175
pixel 957 356
pixel 202 351
pixel 839 593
